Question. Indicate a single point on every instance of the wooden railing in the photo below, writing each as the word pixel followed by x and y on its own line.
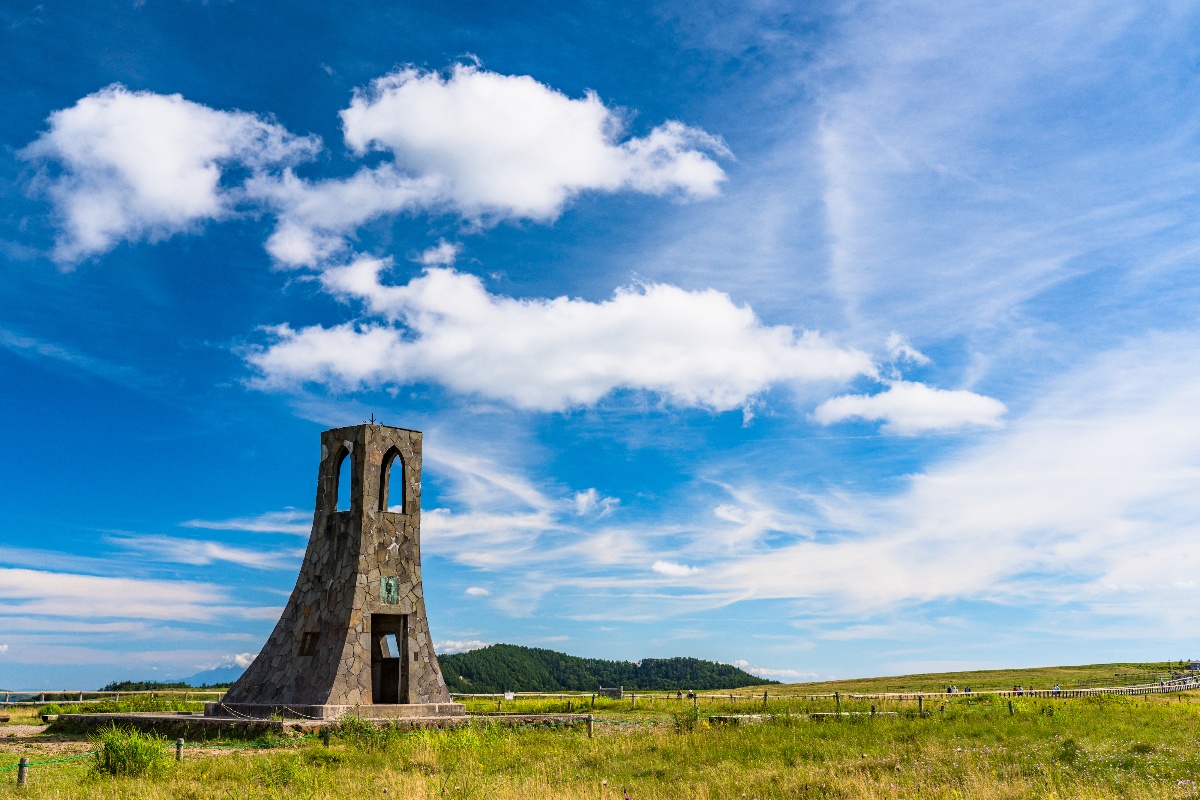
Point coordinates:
pixel 37 698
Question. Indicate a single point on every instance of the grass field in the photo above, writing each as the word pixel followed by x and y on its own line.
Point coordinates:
pixel 1082 677
pixel 1109 747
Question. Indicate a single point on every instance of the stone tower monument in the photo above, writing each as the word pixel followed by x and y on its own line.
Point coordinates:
pixel 353 638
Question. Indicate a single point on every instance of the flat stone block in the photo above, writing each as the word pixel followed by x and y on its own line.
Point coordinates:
pixel 329 713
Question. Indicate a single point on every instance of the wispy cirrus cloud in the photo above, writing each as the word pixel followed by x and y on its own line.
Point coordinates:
pixel 289 520
pixel 198 552
pixel 1082 499
pixel 26 592
pixel 592 502
pixel 955 189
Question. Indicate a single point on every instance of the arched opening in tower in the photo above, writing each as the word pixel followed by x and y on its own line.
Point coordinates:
pixel 343 482
pixel 391 483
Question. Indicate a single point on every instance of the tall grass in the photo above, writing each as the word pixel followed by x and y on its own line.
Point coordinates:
pixel 1096 749
pixel 130 752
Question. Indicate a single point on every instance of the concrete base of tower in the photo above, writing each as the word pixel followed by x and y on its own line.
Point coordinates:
pixel 441 712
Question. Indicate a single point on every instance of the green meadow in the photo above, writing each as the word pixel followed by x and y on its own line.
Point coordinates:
pixel 962 746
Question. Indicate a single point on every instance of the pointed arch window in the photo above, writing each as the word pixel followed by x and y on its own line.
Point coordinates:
pixel 391 483
pixel 343 480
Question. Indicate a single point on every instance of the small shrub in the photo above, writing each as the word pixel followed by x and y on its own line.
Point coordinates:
pixel 366 735
pixel 1068 752
pixel 1141 749
pixel 126 751
pixel 322 758
pixel 276 772
pixel 686 721
pixel 785 720
pixel 50 708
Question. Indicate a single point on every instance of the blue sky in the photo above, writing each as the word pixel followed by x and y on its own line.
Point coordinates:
pixel 827 339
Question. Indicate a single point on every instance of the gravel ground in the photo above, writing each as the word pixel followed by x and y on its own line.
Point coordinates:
pixel 21 731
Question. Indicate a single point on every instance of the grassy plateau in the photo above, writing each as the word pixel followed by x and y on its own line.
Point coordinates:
pixel 963 746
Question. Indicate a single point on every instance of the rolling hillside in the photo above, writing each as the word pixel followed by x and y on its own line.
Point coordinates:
pixel 507 667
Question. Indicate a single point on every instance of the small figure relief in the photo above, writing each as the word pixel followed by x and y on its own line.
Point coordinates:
pixel 389 590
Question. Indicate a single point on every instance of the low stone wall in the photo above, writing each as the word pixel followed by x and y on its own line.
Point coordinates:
pixel 332 713
pixel 197 727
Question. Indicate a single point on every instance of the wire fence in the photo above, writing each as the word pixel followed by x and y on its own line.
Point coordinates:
pixel 39 697
pixel 325 734
pixel 1158 687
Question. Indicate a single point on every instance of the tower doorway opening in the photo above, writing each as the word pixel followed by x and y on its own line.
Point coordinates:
pixel 389 659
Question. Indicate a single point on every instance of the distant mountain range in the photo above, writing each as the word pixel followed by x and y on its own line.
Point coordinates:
pixel 510 667
pixel 221 676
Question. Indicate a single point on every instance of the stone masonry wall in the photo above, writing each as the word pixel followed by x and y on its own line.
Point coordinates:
pixel 320 650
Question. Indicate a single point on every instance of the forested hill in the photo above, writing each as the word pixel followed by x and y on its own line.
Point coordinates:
pixel 508 667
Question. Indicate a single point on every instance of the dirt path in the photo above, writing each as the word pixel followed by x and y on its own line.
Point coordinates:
pixel 33 741
pixel 21 731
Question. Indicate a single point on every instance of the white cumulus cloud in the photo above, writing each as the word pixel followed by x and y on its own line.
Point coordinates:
pixel 138 165
pixel 314 217
pixel 509 146
pixel 443 254
pixel 783 675
pixel 131 165
pixel 696 348
pixel 672 569
pixel 477 591
pixel 482 145
pixel 909 408
pixel 447 646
